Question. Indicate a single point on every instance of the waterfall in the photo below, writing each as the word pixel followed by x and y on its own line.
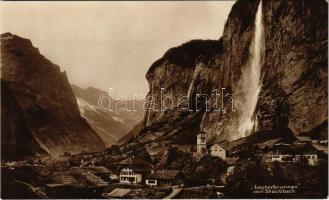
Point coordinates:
pixel 251 79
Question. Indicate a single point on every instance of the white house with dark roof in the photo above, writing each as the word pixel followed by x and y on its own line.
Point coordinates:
pixel 133 170
pixel 217 151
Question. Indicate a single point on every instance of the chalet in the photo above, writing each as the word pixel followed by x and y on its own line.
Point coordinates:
pixel 163 178
pixel 217 151
pixel 201 143
pixel 132 170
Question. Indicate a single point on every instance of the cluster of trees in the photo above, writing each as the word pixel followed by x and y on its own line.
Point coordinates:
pixel 195 172
pixel 247 174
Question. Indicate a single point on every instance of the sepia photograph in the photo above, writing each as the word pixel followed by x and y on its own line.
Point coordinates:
pixel 164 99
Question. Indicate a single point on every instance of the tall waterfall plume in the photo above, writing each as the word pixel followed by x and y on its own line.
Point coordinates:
pixel 251 79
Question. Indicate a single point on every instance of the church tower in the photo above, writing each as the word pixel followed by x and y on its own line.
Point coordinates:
pixel 201 142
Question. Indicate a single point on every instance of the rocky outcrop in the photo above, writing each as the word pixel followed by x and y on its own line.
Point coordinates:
pixel 173 74
pixel 295 86
pixel 294 75
pixel 39 112
pixel 111 126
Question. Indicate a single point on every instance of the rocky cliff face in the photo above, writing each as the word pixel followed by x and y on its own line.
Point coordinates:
pixel 295 92
pixel 111 126
pixel 39 112
pixel 294 75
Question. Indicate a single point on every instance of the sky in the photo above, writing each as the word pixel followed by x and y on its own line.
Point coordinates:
pixel 112 44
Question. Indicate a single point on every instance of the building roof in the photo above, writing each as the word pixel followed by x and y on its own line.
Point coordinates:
pixel 218 145
pixel 304 138
pixel 269 143
pixel 163 174
pixel 227 146
pixel 133 161
pixel 99 169
pixel 320 147
pixel 118 192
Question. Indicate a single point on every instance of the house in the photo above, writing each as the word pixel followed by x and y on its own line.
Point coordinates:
pixel 296 153
pixel 163 178
pixel 217 151
pixel 133 169
pixel 321 148
pixel 201 143
pixel 130 175
pixel 230 171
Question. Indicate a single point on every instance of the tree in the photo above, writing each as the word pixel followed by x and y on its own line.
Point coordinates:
pixel 246 175
pixel 141 153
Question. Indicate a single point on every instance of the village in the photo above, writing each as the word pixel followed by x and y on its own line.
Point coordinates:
pixel 115 173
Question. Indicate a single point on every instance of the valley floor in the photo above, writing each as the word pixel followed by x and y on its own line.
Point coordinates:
pixel 251 179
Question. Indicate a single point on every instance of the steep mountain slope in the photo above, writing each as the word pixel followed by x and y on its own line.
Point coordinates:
pixel 294 90
pixel 39 113
pixel 109 125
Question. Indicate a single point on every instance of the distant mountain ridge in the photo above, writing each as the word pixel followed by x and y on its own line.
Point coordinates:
pixel 111 126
